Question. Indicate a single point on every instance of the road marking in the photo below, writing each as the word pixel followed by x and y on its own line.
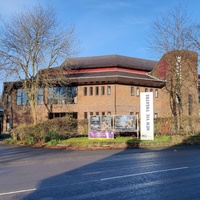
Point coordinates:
pixel 143 173
pixel 19 191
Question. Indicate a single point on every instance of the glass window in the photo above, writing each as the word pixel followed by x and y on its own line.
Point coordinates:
pixel 132 91
pixel 91 113
pixel 108 90
pixel 103 113
pixel 85 115
pixel 146 89
pixel 97 113
pixel 22 97
pixel 156 93
pixel 62 95
pixel 91 91
pixel 102 90
pixel 8 100
pixel 40 96
pixel 85 91
pixel 108 113
pixel 97 90
pixel 138 91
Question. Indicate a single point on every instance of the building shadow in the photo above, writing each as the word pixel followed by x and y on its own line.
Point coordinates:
pixel 88 182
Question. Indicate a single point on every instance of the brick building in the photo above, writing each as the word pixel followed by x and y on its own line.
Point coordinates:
pixel 110 85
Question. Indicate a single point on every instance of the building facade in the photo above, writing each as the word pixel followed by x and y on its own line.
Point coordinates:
pixel 110 85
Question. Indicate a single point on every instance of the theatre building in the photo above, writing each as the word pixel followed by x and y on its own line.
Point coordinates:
pixel 110 85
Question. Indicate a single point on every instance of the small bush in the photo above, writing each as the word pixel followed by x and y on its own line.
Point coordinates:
pixel 54 129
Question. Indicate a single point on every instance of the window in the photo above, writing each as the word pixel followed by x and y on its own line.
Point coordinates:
pixel 156 93
pixel 97 113
pixel 146 89
pixel 22 98
pixel 73 115
pixel 108 113
pixel 151 90
pixel 85 91
pixel 85 115
pixel 190 104
pixel 102 90
pixel 40 96
pixel 8 100
pixel 91 113
pixel 97 90
pixel 138 91
pixel 103 113
pixel 131 113
pixel 91 91
pixel 155 115
pixel 108 90
pixel 132 91
pixel 62 95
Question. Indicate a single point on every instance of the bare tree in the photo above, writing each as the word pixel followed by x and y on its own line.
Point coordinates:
pixel 31 41
pixel 172 32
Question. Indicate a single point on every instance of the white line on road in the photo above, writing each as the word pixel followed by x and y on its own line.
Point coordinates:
pixel 143 173
pixel 16 192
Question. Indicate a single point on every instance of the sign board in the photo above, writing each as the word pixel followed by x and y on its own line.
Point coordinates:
pixel 100 127
pixel 147 116
pixel 125 123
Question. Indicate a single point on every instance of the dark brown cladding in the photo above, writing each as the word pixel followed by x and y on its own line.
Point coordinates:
pixel 116 77
pixel 109 60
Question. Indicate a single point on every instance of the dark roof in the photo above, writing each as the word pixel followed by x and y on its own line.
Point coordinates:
pixel 116 77
pixel 108 61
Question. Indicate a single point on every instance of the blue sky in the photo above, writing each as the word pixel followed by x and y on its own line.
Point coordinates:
pixel 106 27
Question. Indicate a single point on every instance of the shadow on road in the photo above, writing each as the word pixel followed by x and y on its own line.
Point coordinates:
pixel 84 182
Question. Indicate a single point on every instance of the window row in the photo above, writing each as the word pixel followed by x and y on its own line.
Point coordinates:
pixel 146 90
pixel 97 90
pixel 56 95
pixel 87 114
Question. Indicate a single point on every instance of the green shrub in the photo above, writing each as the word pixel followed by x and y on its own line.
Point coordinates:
pixel 54 129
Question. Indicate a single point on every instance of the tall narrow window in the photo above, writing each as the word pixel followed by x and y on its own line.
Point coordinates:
pixel 102 90
pixel 97 90
pixel 22 97
pixel 108 90
pixel 103 113
pixel 132 91
pixel 138 91
pixel 146 89
pixel 8 100
pixel 91 91
pixel 156 93
pixel 85 115
pixel 40 96
pixel 85 91
pixel 91 113
pixel 190 104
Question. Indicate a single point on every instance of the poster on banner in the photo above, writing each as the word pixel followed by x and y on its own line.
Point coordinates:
pixel 95 123
pixel 147 116
pixel 100 127
pixel 125 123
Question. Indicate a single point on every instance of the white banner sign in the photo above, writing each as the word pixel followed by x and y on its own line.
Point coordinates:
pixel 147 116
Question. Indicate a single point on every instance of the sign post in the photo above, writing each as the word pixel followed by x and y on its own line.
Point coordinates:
pixel 147 118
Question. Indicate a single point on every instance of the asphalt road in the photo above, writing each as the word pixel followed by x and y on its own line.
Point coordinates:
pixel 47 174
